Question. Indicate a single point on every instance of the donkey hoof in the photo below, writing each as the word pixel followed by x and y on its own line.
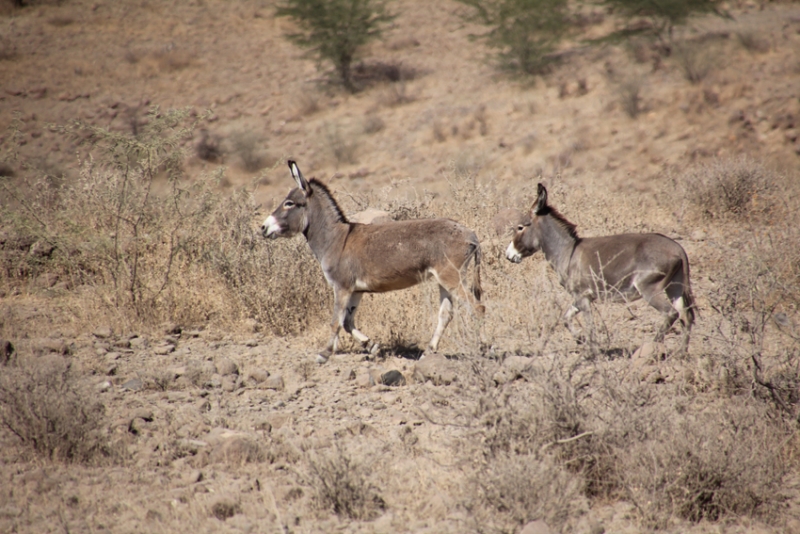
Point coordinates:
pixel 374 349
pixel 321 359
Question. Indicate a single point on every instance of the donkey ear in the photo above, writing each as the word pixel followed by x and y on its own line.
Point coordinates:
pixel 298 177
pixel 541 200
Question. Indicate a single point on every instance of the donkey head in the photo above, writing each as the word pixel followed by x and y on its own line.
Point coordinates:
pixel 290 217
pixel 528 233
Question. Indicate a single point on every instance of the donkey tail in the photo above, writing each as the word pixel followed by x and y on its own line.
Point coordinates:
pixel 688 299
pixel 476 278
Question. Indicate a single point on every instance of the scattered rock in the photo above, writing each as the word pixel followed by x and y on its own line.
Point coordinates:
pixel 138 343
pixel 134 384
pixel 111 369
pixel 173 329
pixel 224 507
pixel 231 383
pixel 103 332
pixel 226 366
pixel 393 378
pixel 143 413
pixel 273 382
pixel 256 376
pixel 251 343
pixel 163 350
pixel 536 527
pixel 436 368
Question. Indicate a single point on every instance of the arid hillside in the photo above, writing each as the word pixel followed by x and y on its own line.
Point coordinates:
pixel 158 356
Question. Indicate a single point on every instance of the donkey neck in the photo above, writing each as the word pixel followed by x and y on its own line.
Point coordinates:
pixel 325 231
pixel 558 243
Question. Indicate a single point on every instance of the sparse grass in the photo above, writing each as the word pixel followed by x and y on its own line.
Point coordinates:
pixel 373 124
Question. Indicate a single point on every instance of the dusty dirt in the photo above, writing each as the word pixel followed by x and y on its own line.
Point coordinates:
pixel 215 430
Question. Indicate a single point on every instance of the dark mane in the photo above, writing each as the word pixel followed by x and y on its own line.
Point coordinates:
pixel 319 187
pixel 571 228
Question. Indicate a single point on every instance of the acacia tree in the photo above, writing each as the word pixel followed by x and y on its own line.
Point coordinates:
pixel 334 30
pixel 524 32
pixel 664 15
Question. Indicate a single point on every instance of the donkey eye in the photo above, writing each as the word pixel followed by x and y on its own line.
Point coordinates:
pixel 288 204
pixel 520 228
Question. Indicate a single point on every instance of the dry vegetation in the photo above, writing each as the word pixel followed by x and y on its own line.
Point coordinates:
pixel 156 353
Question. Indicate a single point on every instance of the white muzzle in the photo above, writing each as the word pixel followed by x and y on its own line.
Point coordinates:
pixel 512 254
pixel 270 228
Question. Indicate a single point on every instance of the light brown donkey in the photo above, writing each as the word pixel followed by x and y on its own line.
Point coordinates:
pixel 619 268
pixel 361 258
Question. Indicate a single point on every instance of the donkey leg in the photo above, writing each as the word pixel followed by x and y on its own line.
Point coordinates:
pixel 445 316
pixel 581 304
pixel 349 319
pixel 340 300
pixel 675 292
pixel 654 294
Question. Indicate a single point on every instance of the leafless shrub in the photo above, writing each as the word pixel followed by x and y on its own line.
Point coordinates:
pixel 250 150
pixel 209 147
pixel 46 406
pixel 373 124
pixel 511 490
pixel 709 466
pixel 731 188
pixel 752 42
pixel 755 299
pixel 630 98
pixel 696 59
pixel 341 144
pixel 341 484
pixel 307 103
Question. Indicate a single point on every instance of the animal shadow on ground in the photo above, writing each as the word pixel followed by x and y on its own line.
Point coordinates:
pixel 399 349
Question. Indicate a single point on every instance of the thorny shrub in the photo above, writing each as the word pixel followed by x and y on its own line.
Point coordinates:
pixel 341 484
pixel 44 403
pixel 731 188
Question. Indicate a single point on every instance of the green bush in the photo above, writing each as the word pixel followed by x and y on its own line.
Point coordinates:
pixel 525 33
pixel 334 30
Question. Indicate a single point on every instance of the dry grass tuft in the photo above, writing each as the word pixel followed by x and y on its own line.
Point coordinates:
pixel 341 484
pixel 733 188
pixel 44 403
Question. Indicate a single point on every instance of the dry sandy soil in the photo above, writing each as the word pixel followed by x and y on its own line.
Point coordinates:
pixel 224 426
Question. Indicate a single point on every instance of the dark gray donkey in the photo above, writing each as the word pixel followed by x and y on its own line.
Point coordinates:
pixel 364 258
pixel 619 268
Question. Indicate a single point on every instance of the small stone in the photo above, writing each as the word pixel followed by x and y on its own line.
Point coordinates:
pixel 103 332
pixel 436 368
pixel 139 343
pixel 256 376
pixel 230 383
pixel 113 356
pixel 273 382
pixel 137 425
pixel 251 343
pixel 163 350
pixel 134 384
pixel 393 378
pixel 103 386
pixel 111 369
pixel 224 507
pixel 536 527
pixel 143 413
pixel 226 366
